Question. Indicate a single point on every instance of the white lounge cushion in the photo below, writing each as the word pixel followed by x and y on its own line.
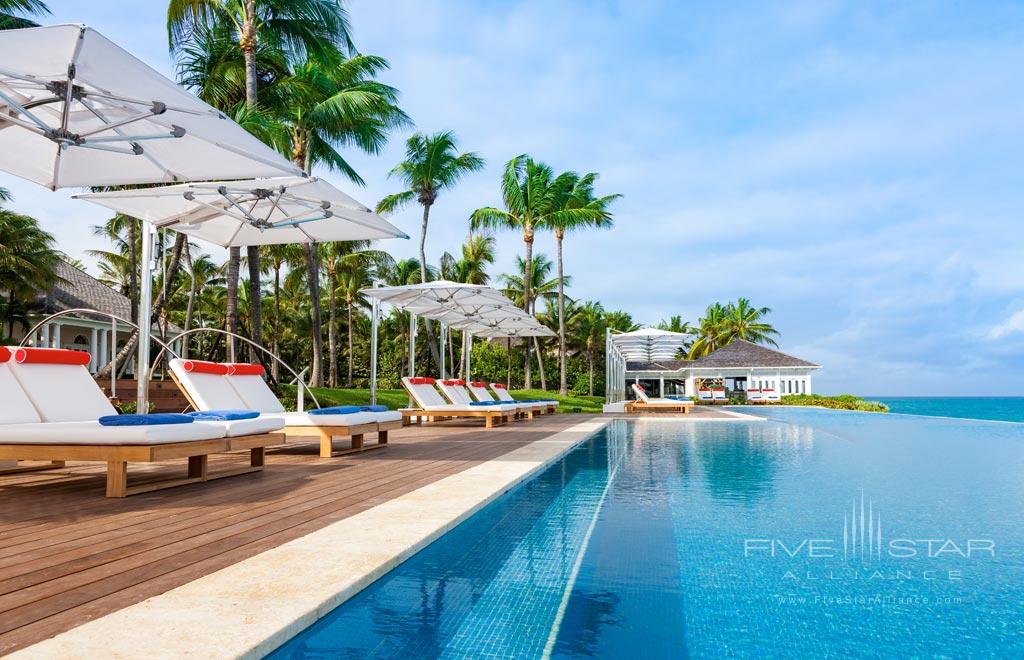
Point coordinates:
pixel 503 395
pixel 207 391
pixel 388 416
pixel 255 426
pixel 351 419
pixel 15 406
pixel 481 394
pixel 62 392
pixel 458 395
pixel 255 393
pixel 92 433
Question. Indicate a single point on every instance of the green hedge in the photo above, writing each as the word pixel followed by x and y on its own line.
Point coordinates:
pixel 839 402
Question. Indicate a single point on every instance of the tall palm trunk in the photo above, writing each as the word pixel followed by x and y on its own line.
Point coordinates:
pixel 434 353
pixel 231 303
pixel 527 276
pixel 275 367
pixel 563 384
pixel 332 321
pixel 193 291
pixel 348 382
pixel 508 362
pixel 255 300
pixel 133 268
pixel 540 363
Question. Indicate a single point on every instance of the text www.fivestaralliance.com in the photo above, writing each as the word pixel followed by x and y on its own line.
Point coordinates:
pixel 877 600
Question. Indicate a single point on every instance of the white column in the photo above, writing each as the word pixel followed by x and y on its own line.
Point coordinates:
pixel 55 336
pixel 104 338
pixel 44 336
pixel 94 352
pixel 661 386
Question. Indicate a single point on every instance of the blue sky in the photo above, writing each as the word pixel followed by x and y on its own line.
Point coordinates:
pixel 853 165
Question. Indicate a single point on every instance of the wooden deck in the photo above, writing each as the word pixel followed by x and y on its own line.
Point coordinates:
pixel 69 555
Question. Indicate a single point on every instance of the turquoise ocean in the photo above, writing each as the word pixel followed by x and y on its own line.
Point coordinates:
pixel 1001 408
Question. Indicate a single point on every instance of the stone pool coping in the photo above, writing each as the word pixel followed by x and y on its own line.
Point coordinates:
pixel 250 608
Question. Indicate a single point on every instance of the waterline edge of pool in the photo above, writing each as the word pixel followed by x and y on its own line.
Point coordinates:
pixel 248 609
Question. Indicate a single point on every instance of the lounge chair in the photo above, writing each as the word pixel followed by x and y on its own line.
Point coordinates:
pixel 216 386
pixel 718 395
pixel 755 396
pixel 770 395
pixel 51 411
pixel 431 406
pixel 644 403
pixel 704 395
pixel 501 391
pixel 478 389
pixel 454 389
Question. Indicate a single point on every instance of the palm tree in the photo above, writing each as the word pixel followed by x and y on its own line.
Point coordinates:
pixel 533 282
pixel 709 329
pixel 588 325
pixel 295 28
pixel 26 264
pixel 744 321
pixel 12 11
pixel 278 256
pixel 432 164
pixel 477 254
pixel 202 274
pixel 124 232
pixel 353 278
pixel 580 196
pixel 533 197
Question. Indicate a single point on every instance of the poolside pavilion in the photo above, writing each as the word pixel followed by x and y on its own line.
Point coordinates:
pixel 653 358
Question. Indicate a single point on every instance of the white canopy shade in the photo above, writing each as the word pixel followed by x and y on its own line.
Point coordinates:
pixel 76 110
pixel 252 212
pixel 648 344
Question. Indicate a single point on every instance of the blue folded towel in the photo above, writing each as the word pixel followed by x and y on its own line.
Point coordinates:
pixel 373 408
pixel 486 403
pixel 223 415
pixel 145 420
pixel 336 410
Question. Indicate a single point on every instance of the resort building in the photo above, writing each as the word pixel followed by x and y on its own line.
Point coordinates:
pixel 651 357
pixel 76 289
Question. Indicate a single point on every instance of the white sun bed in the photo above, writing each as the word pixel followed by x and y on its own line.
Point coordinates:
pixel 770 394
pixel 431 406
pixel 501 391
pixel 755 396
pixel 644 403
pixel 51 410
pixel 718 395
pixel 705 395
pixel 215 386
pixel 478 389
pixel 455 391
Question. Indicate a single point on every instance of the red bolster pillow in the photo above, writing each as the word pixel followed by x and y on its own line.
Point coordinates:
pixel 500 386
pixel 245 369
pixel 5 354
pixel 51 356
pixel 478 383
pixel 454 381
pixel 201 367
pixel 421 381
pixel 718 389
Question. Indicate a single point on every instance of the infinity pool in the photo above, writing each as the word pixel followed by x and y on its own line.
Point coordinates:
pixel 812 533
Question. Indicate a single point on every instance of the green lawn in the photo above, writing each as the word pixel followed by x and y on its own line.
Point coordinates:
pixel 399 399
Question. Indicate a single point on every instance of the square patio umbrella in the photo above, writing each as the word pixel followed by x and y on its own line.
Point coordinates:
pixel 243 213
pixel 76 110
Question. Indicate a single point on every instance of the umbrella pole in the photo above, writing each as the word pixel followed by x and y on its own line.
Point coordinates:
pixel 469 353
pixel 442 346
pixel 412 351
pixel 374 322
pixel 145 311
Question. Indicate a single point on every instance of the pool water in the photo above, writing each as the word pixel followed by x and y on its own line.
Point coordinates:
pixel 815 532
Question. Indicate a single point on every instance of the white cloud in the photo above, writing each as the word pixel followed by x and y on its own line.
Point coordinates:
pixel 1013 325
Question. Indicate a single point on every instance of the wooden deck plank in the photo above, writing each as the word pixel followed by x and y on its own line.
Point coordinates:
pixel 69 555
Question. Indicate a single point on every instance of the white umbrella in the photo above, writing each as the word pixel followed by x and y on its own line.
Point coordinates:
pixel 242 213
pixel 77 110
pixel 252 212
pixel 475 309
